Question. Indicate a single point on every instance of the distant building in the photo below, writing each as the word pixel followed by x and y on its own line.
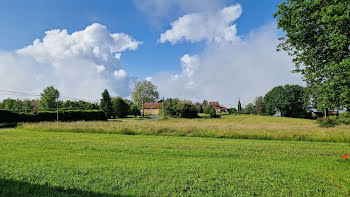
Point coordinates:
pixel 151 109
pixel 218 107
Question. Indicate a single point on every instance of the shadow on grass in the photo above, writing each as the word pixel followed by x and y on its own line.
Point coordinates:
pixel 18 188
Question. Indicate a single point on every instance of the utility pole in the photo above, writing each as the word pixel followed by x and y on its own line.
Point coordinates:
pixel 143 110
pixel 163 109
pixel 57 108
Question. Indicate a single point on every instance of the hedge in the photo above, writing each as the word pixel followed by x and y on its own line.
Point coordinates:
pixel 66 116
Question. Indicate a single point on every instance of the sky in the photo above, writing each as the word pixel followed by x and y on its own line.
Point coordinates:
pixel 221 50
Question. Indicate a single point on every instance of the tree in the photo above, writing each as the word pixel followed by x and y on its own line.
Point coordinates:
pixel 212 113
pixel 27 106
pixel 120 107
pixel 144 92
pixel 318 38
pixel 232 110
pixel 290 100
pixel 49 97
pixel 239 106
pixel 106 104
pixel 250 108
pixel 207 109
pixel 259 105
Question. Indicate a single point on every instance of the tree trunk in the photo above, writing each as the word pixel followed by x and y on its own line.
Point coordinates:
pixel 143 110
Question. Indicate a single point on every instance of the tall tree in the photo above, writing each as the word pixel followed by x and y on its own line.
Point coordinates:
pixel 144 92
pixel 239 107
pixel 106 104
pixel 250 108
pixel 290 100
pixel 318 38
pixel 120 107
pixel 49 97
pixel 259 105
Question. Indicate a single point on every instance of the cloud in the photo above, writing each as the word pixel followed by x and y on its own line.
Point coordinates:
pixel 159 12
pixel 80 64
pixel 226 71
pixel 209 26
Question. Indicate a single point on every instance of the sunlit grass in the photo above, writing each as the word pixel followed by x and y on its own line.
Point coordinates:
pixel 233 126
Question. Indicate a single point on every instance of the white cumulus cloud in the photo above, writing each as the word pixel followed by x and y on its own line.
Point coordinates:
pixel 80 64
pixel 210 26
pixel 225 71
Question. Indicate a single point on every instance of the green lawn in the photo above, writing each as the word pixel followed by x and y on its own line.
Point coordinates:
pixel 92 164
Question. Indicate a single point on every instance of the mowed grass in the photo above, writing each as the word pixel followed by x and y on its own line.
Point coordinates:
pixel 41 163
pixel 231 126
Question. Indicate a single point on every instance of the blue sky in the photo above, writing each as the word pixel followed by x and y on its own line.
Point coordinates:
pixel 24 21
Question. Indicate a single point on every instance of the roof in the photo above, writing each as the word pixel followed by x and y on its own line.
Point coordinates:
pixel 150 105
pixel 214 104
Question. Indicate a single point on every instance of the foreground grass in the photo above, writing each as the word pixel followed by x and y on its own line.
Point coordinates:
pixel 88 164
pixel 232 126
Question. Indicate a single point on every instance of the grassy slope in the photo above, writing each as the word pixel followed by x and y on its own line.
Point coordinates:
pixel 233 126
pixel 62 163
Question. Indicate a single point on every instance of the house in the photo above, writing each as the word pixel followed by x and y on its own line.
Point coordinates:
pixel 151 109
pixel 217 107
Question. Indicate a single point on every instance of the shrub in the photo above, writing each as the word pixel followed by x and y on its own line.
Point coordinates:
pixel 185 110
pixel 344 118
pixel 207 109
pixel 212 113
pixel 120 107
pixel 330 121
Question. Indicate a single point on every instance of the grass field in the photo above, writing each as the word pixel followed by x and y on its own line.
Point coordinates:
pixel 42 163
pixel 232 126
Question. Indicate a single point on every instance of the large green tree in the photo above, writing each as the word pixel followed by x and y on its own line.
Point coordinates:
pixel 317 35
pixel 144 92
pixel 49 97
pixel 106 104
pixel 290 100
pixel 120 107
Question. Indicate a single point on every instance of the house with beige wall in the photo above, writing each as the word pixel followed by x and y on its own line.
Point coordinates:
pixel 151 109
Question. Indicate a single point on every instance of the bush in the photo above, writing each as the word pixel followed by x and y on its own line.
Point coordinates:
pixel 65 116
pixel 207 109
pixel 330 121
pixel 344 118
pixel 212 113
pixel 120 107
pixel 185 110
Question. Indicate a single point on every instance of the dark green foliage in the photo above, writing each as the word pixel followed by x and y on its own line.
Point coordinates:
pixel 290 100
pixel 185 110
pixel 134 110
pixel 106 104
pixel 170 105
pixel 66 116
pixel 330 121
pixel 317 35
pixel 232 110
pixel 344 118
pixel 48 98
pixel 120 107
pixel 82 105
pixel 239 106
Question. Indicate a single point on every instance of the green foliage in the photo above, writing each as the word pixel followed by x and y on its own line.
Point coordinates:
pixel 120 107
pixel 48 98
pixel 250 108
pixel 106 104
pixel 144 92
pixel 344 118
pixel 259 105
pixel 27 106
pixel 66 116
pixel 186 110
pixel 290 100
pixel 83 105
pixel 170 105
pixel 239 106
pixel 207 110
pixel 232 110
pixel 212 113
pixel 134 110
pixel 318 38
pixel 330 121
